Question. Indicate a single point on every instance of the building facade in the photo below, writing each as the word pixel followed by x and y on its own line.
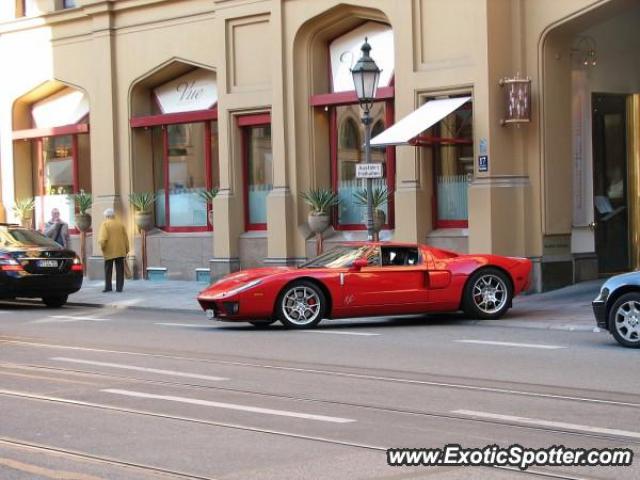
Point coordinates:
pixel 253 98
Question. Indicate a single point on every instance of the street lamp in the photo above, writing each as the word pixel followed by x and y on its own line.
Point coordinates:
pixel 365 78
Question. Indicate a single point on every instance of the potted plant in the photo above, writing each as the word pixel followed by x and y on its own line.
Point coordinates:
pixel 83 201
pixel 142 203
pixel 380 199
pixel 320 201
pixel 23 209
pixel 208 195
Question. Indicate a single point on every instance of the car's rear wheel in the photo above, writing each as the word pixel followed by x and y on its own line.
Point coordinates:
pixel 301 304
pixel 55 301
pixel 624 320
pixel 487 295
pixel 262 324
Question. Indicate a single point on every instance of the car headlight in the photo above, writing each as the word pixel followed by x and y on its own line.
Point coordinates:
pixel 242 288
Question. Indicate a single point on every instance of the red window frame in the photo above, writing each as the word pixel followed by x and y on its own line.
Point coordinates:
pixel 430 141
pixel 336 100
pixel 165 120
pixel 245 123
pixel 38 135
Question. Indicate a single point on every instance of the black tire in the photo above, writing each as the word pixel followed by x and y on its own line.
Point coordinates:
pixel 499 294
pixel 285 309
pixel 55 302
pixel 262 324
pixel 626 331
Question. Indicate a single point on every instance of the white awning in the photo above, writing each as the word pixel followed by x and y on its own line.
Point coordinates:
pixel 66 107
pixel 405 130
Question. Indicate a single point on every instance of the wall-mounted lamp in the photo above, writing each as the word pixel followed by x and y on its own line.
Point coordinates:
pixel 584 50
pixel 517 100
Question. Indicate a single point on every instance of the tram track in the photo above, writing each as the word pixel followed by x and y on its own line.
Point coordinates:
pixel 350 372
pixel 535 472
pixel 100 460
pixel 335 403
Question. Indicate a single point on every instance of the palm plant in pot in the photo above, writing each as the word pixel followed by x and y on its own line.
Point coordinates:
pixel 142 203
pixel 83 201
pixel 380 199
pixel 23 209
pixel 321 201
pixel 207 196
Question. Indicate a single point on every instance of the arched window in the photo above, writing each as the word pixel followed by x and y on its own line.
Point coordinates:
pixel 184 149
pixel 347 131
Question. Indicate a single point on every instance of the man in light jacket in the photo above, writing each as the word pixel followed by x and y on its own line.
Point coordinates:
pixel 114 244
pixel 57 229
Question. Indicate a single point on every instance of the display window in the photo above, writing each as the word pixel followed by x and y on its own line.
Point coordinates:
pixel 451 144
pixel 257 168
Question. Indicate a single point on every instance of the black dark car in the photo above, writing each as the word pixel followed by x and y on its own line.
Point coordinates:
pixel 617 308
pixel 32 265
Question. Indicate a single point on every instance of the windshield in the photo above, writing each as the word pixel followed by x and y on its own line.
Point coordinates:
pixel 340 257
pixel 18 237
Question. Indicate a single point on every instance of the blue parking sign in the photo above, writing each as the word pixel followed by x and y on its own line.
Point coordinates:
pixel 483 163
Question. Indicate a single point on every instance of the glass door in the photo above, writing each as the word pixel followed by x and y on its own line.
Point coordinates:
pixel 610 183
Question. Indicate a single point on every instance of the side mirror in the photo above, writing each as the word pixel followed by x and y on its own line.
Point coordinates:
pixel 360 263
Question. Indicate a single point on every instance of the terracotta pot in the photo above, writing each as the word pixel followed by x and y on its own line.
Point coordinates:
pixel 144 220
pixel 83 222
pixel 318 223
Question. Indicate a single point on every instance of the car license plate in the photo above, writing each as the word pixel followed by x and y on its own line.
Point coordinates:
pixel 47 263
pixel 210 314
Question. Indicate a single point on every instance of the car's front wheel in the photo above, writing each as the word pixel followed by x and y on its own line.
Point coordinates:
pixel 301 304
pixel 56 301
pixel 487 295
pixel 624 320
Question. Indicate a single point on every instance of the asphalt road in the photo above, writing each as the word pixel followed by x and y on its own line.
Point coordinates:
pixel 127 394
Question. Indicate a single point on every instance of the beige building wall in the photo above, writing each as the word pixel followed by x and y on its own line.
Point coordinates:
pixel 270 56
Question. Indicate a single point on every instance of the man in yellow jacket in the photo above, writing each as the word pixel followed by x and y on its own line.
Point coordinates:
pixel 114 244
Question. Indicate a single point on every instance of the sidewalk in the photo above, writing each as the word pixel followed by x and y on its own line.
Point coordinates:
pixel 567 308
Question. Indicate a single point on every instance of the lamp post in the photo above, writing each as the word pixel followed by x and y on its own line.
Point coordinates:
pixel 365 78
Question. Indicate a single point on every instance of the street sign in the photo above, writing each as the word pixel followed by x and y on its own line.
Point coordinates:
pixel 483 163
pixel 369 170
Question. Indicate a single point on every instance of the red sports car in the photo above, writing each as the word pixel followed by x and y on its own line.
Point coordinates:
pixel 369 279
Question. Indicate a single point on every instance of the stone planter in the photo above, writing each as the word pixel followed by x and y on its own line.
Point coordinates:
pixel 318 223
pixel 144 220
pixel 83 222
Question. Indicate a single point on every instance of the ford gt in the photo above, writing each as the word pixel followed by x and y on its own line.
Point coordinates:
pixel 369 279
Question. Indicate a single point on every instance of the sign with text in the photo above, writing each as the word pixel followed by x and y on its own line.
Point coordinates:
pixel 197 90
pixel 369 170
pixel 483 163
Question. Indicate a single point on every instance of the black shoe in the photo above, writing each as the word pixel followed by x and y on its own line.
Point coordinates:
pixel 107 290
pixel 119 291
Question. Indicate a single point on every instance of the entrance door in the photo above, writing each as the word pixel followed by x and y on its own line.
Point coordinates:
pixel 610 182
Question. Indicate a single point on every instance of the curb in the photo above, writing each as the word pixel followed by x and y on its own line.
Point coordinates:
pixel 116 307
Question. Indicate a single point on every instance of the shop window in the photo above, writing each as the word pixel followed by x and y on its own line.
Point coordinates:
pixel 451 144
pixel 69 4
pixel 347 138
pixel 185 163
pixel 61 167
pixel 258 169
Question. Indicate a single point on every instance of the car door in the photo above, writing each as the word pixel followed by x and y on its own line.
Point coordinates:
pixel 395 280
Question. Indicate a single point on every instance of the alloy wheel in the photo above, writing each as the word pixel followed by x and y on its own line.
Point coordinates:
pixel 301 305
pixel 490 293
pixel 627 321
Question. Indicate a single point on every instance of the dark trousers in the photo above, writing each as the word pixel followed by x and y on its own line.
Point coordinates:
pixel 108 269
